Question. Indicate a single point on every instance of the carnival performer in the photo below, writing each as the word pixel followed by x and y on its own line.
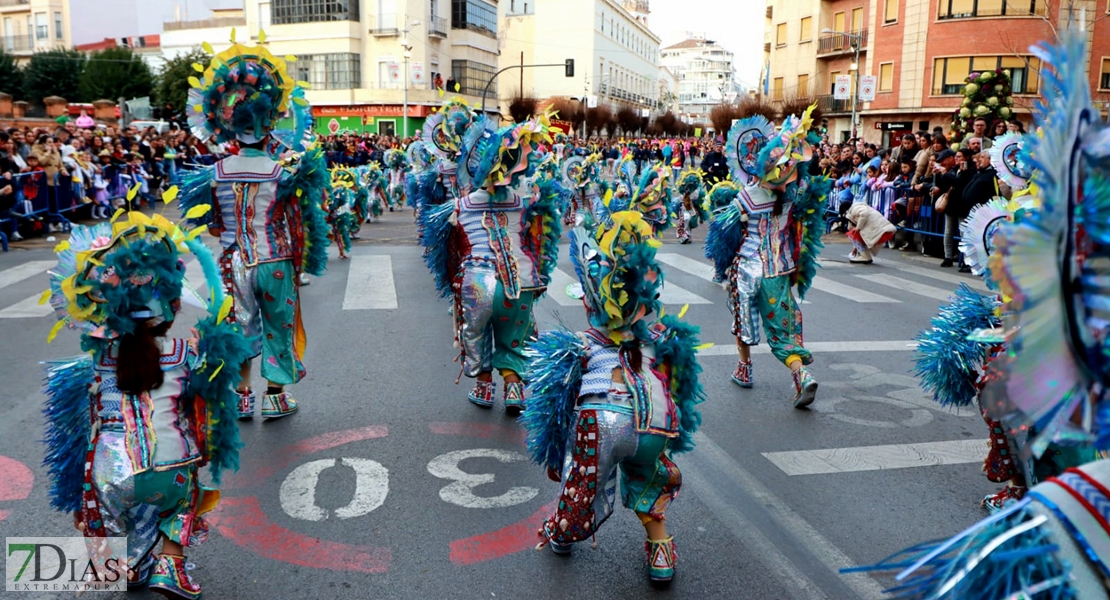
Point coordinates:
pixel 337 204
pixel 268 218
pixel 652 196
pixel 688 210
pixel 397 166
pixel 1050 385
pixel 766 242
pixel 372 181
pixel 493 250
pixel 620 396
pixel 420 161
pixel 581 175
pixel 129 426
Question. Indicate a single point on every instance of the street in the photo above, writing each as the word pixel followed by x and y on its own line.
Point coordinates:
pixel 389 484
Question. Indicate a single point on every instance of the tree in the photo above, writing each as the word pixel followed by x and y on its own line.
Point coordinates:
pixel 629 120
pixel 521 108
pixel 569 110
pixel 597 118
pixel 172 85
pixel 797 106
pixel 53 73
pixel 113 73
pixel 722 115
pixel 11 77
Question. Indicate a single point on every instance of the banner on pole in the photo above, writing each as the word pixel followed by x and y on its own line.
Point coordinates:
pixel 697 132
pixel 417 75
pixel 842 89
pixel 394 70
pixel 867 88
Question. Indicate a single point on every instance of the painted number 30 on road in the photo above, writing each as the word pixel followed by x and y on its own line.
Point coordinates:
pixel 298 491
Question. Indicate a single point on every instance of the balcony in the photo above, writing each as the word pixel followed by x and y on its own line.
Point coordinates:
pixel 7 3
pixel 835 44
pixel 387 25
pixel 437 27
pixel 830 105
pixel 17 43
pixel 215 23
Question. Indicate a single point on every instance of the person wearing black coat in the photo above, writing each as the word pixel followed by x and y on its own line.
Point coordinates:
pixel 953 181
pixel 715 166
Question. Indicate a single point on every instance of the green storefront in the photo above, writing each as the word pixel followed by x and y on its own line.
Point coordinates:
pixel 379 119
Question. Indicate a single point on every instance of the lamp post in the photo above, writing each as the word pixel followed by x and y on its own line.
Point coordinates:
pixel 405 77
pixel 855 40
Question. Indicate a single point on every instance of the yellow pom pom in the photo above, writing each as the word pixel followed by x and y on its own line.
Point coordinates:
pixel 207 47
pixel 194 82
pixel 199 68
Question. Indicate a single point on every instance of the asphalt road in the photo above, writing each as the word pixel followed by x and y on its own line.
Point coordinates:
pixel 389 484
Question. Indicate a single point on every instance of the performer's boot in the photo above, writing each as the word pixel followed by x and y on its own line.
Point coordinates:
pixel 1003 498
pixel 275 406
pixel 743 376
pixel 171 578
pixel 140 576
pixel 661 557
pixel 805 388
pixel 514 396
pixel 861 257
pixel 482 394
pixel 246 404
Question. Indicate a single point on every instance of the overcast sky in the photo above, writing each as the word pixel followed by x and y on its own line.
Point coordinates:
pixel 735 24
pixel 94 20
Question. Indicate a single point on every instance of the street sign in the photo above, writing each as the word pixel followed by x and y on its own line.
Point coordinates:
pixel 591 101
pixel 418 77
pixel 843 88
pixel 867 88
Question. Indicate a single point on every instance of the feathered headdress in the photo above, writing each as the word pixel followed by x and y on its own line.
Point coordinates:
pixel 619 274
pixel 444 130
pixel 344 177
pixel 1010 162
pixel 298 134
pixel 395 159
pixel 418 155
pixel 977 234
pixel 722 194
pixel 690 182
pixel 651 195
pixel 757 152
pixel 497 158
pixel 240 95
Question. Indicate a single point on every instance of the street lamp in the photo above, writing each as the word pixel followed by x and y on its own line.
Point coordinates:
pixel 855 40
pixel 405 77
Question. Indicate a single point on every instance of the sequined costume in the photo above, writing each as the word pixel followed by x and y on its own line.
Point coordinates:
pixel 372 181
pixel 397 166
pixel 268 217
pixel 764 242
pixel 126 464
pixel 688 209
pixel 492 251
pixel 1050 385
pixel 617 400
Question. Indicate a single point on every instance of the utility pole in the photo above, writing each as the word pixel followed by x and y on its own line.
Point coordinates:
pixel 405 75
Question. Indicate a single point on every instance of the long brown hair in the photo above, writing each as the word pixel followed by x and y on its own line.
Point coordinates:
pixel 138 369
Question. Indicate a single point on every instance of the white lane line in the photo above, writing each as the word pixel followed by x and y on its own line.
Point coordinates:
pixel 28 308
pixel 23 271
pixel 875 458
pixel 906 285
pixel 729 348
pixel 673 294
pixel 832 264
pixel 557 288
pixel 694 267
pixel 851 293
pixel 975 282
pixel 783 516
pixel 370 283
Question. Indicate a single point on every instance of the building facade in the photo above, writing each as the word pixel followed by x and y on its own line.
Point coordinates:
pixel 919 51
pixel 371 64
pixel 30 26
pixel 705 74
pixel 614 51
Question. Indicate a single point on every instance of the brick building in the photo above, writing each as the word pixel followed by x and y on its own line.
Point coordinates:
pixel 920 52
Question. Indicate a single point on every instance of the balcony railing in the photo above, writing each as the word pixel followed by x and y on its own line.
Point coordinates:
pixel 203 23
pixel 17 43
pixel 839 43
pixel 4 3
pixel 387 25
pixel 437 26
pixel 830 105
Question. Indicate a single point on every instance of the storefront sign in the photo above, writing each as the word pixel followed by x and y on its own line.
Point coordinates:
pixel 370 110
pixel 895 126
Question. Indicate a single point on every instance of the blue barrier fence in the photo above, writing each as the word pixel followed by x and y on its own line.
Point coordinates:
pixel 911 212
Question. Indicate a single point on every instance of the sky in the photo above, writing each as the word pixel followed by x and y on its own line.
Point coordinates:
pixel 94 20
pixel 735 24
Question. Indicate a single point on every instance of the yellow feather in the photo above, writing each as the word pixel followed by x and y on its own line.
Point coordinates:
pixel 198 211
pixel 119 213
pixel 199 68
pixel 662 311
pixel 290 58
pixel 217 371
pixel 682 313
pixel 169 195
pixel 61 247
pixel 261 36
pixel 194 234
pixel 225 310
pixel 701 347
pixel 207 47
pixel 194 82
pixel 44 297
pixel 134 191
pixel 232 35
pixel 54 331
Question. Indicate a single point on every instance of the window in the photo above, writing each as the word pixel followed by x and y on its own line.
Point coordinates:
pixel 471 76
pixel 803 86
pixel 949 73
pixel 264 16
pixel 886 77
pixel 832 81
pixel 1104 75
pixel 857 20
pixel 838 22
pixel 807 29
pixel 59 33
pixel 965 9
pixel 340 71
pixel 780 34
pixel 776 89
pixel 890 13
pixel 42 31
pixel 474 15
pixel 284 12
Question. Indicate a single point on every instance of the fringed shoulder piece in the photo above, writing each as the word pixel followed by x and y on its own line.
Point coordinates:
pixel 809 212
pixel 678 349
pixel 435 227
pixel 726 233
pixel 68 427
pixel 545 227
pixel 555 364
pixel 427 190
pixel 947 362
pixel 307 186
pixel 196 190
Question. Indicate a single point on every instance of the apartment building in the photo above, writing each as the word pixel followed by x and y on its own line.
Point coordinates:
pixel 705 75
pixel 919 51
pixel 33 25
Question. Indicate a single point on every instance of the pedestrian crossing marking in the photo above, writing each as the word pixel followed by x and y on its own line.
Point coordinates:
pixel 907 286
pixel 557 288
pixel 876 458
pixel 370 283
pixel 851 293
pixel 678 296
pixel 975 282
pixel 20 272
pixel 729 348
pixel 28 308
pixel 694 267
pixel 670 294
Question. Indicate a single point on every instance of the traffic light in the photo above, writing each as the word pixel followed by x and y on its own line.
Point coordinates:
pixel 570 67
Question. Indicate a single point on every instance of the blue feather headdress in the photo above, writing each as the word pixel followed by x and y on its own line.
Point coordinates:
pixel 757 152
pixel 295 132
pixel 444 130
pixel 1010 162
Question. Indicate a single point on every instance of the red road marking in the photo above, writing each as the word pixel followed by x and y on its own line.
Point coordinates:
pixel 16 479
pixel 4 514
pixel 505 433
pixel 257 472
pixel 514 538
pixel 242 521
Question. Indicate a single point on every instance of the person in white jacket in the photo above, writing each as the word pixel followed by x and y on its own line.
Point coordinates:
pixel 868 230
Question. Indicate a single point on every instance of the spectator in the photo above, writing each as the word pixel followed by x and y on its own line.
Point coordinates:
pixel 906 148
pixel 714 165
pixel 1015 126
pixel 998 130
pixel 978 130
pixel 948 181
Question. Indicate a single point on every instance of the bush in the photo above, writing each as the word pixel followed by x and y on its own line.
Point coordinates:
pixel 11 76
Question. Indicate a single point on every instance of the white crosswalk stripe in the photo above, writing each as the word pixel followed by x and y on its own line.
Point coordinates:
pixel 692 266
pixel 874 458
pixel 370 283
pixel 854 294
pixel 556 290
pixel 907 286
pixel 20 272
pixel 28 308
